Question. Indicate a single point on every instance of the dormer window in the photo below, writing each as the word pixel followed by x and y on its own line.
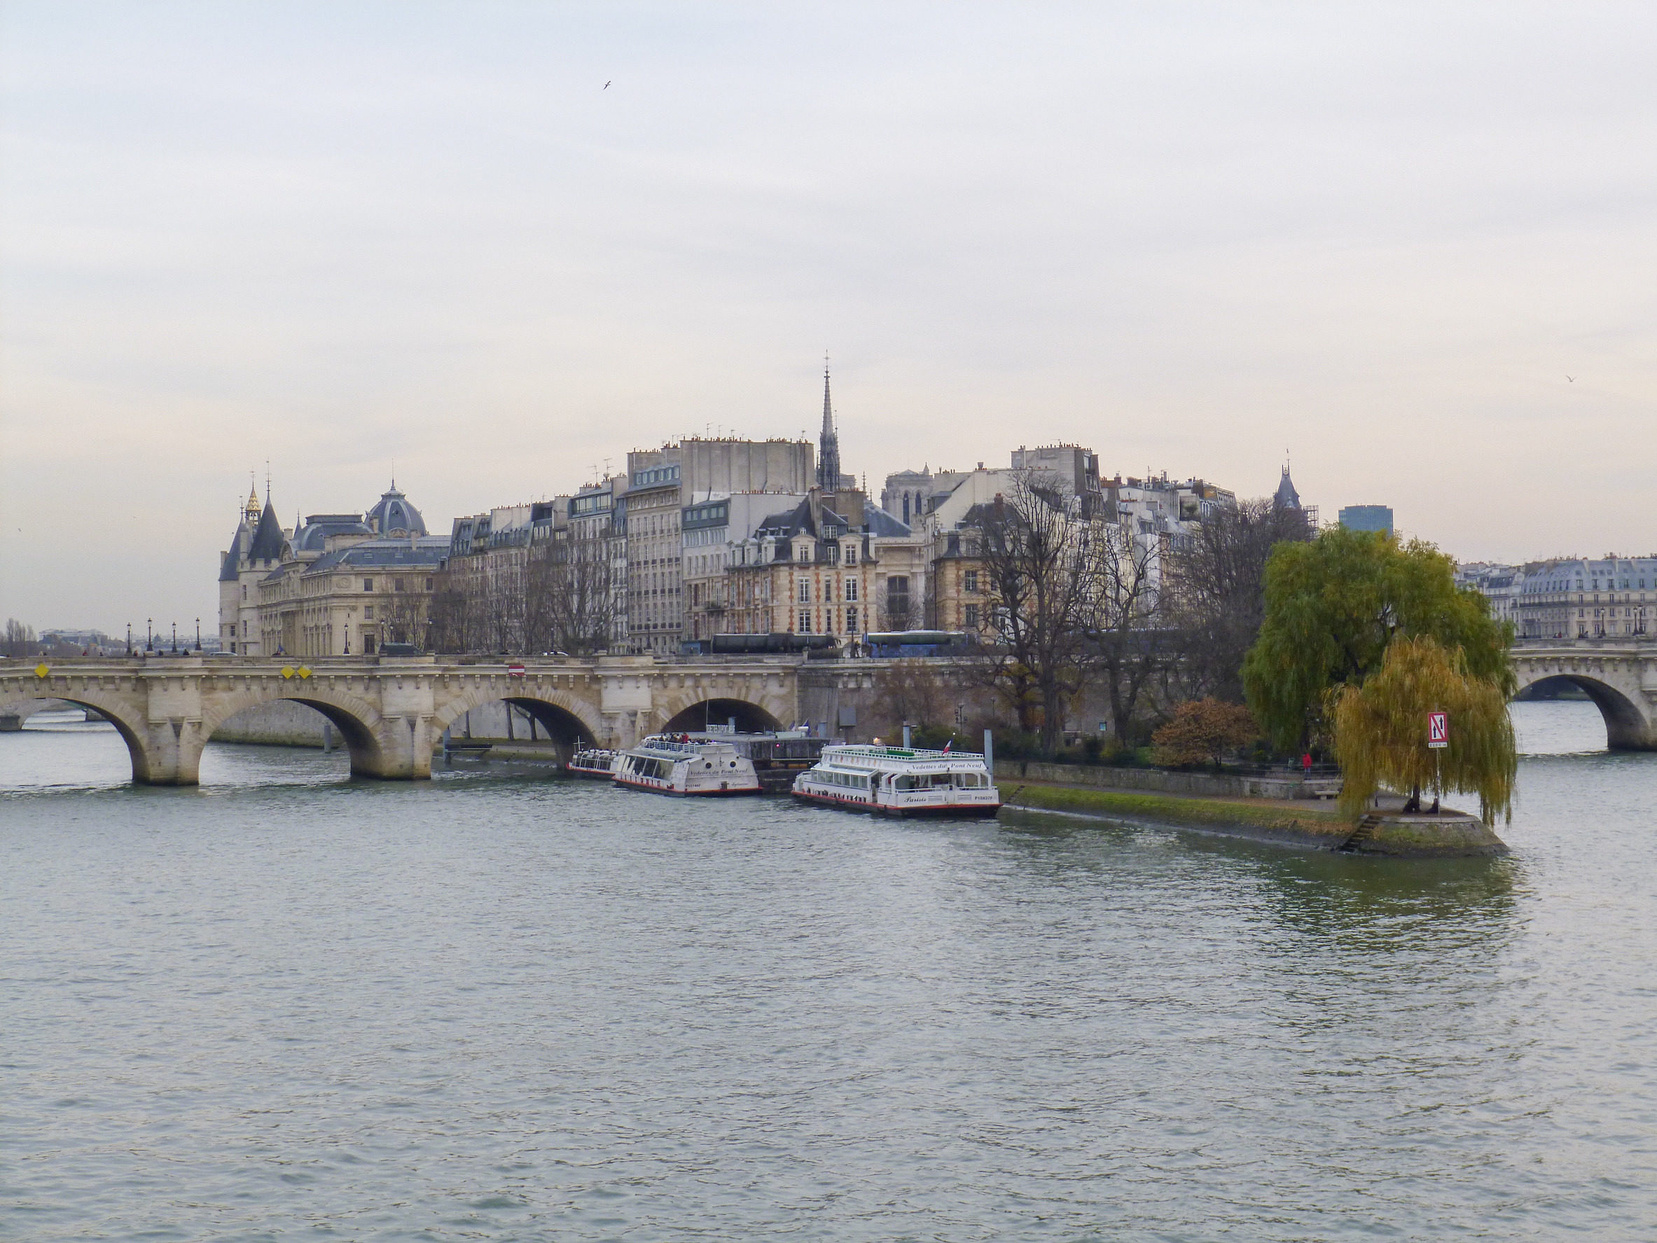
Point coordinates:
pixel 851 554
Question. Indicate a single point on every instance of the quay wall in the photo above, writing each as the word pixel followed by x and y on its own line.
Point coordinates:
pixel 1167 781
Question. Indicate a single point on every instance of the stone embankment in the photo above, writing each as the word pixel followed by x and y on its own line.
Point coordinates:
pixel 1303 823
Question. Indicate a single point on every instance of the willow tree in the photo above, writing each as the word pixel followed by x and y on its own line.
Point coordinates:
pixel 1334 605
pixel 1381 730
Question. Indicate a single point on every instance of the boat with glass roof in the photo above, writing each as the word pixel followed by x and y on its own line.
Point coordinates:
pixel 592 762
pixel 901 781
pixel 680 764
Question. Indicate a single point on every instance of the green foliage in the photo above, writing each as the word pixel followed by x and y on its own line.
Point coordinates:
pixel 1202 731
pixel 1332 607
pixel 934 737
pixel 1381 730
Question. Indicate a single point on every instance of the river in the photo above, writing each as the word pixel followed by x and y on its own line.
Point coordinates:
pixel 496 1006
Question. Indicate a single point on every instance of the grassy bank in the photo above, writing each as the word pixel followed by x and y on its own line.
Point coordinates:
pixel 1309 825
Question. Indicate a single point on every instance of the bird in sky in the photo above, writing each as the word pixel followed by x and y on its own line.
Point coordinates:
pixel 607 85
pixel 1570 379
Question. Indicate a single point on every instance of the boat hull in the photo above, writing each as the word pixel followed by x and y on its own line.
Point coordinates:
pixel 666 788
pixel 950 811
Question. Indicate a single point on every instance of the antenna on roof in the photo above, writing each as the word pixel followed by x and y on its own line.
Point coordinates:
pixel 267 481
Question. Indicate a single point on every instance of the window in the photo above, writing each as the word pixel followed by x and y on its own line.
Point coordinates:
pixel 972 617
pixel 897 599
pixel 803 553
pixel 805 621
pixel 397 584
pixel 368 612
pixel 969 580
pixel 851 589
pixel 244 593
pixel 851 554
pixel 368 584
pixel 803 594
pixel 428 584
pixel 851 621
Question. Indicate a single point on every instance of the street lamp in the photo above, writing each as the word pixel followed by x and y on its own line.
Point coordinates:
pixel 149 634
pixel 175 638
pixel 198 636
pixel 129 638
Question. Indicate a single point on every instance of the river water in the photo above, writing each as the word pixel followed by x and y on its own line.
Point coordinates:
pixel 497 1006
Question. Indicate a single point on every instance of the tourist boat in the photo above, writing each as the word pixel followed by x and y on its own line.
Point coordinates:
pixel 679 764
pixel 901 781
pixel 777 755
pixel 592 762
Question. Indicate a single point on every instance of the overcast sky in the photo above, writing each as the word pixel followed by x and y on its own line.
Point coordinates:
pixel 346 236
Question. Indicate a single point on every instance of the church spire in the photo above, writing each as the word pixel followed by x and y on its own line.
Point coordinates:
pixel 828 446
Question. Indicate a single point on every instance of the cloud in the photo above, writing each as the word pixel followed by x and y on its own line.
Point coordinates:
pixel 337 236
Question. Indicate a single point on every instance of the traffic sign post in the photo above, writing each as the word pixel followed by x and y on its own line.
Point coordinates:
pixel 1438 730
pixel 1438 738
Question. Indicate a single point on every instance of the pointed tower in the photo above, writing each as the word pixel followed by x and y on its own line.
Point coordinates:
pixel 828 445
pixel 1286 497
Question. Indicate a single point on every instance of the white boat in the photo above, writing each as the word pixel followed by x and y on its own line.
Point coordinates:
pixel 901 781
pixel 592 762
pixel 680 765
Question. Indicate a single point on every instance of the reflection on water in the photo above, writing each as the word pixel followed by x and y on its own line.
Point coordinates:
pixel 502 1006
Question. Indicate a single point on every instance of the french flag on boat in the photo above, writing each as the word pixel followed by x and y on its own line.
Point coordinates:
pixel 948 745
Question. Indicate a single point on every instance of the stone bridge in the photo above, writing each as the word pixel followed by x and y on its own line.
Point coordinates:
pixel 1621 678
pixel 391 711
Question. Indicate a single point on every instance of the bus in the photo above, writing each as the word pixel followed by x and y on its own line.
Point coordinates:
pixel 906 643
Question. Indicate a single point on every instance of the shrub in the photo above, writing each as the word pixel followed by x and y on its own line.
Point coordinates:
pixel 1202 731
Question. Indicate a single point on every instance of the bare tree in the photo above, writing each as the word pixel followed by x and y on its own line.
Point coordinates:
pixel 1040 565
pixel 1128 648
pixel 568 602
pixel 20 640
pixel 909 692
pixel 1216 590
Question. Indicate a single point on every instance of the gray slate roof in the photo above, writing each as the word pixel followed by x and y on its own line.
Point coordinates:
pixel 267 540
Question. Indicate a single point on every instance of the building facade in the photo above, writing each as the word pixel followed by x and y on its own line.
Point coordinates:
pixel 335 584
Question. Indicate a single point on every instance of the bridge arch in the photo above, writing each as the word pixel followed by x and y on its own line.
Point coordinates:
pixel 693 712
pixel 568 720
pixel 356 720
pixel 1630 725
pixel 111 708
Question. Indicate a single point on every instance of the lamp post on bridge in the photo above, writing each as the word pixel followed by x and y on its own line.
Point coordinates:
pixel 175 638
pixel 198 636
pixel 129 638
pixel 149 634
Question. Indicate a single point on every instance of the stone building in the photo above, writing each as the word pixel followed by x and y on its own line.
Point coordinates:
pixel 334 584
pixel 1578 598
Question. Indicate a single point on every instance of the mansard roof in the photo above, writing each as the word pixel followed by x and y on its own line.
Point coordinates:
pixel 882 525
pixel 426 552
pixel 313 536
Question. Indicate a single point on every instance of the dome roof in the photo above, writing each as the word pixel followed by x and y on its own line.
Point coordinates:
pixel 394 515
